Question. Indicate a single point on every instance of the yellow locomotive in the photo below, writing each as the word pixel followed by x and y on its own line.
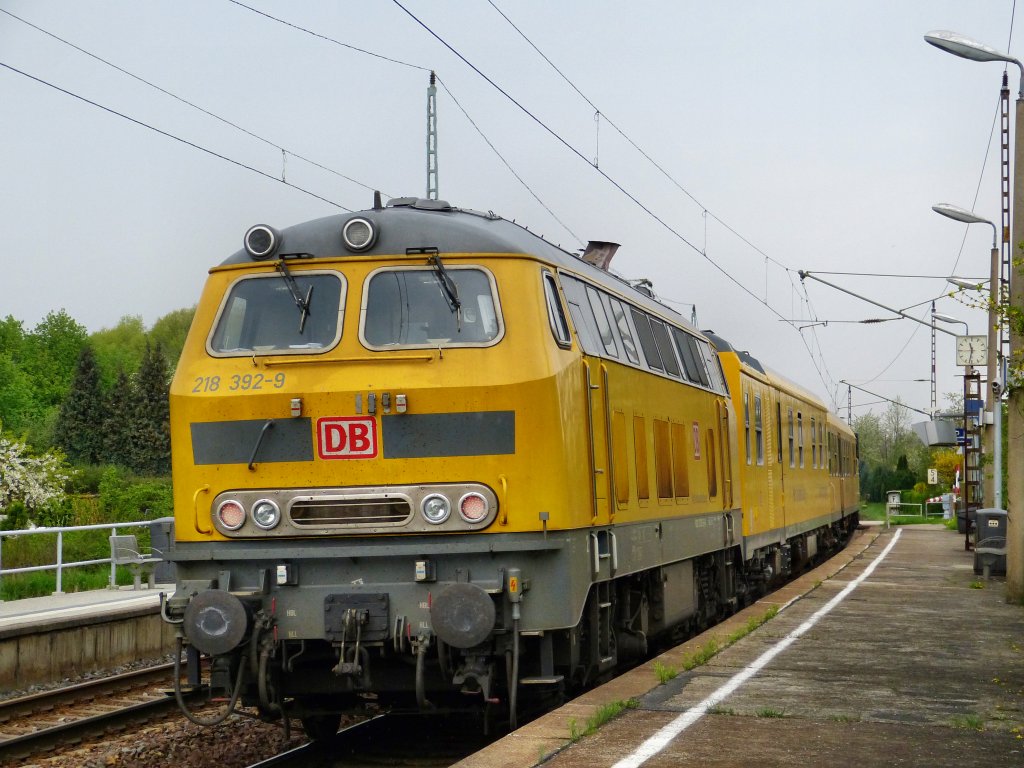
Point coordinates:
pixel 423 457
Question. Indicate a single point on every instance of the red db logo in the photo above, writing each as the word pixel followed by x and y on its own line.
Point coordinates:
pixel 346 437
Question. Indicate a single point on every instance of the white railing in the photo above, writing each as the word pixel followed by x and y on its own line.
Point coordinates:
pixel 60 565
pixel 895 509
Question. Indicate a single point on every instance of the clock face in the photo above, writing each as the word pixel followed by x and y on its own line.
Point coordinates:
pixel 971 350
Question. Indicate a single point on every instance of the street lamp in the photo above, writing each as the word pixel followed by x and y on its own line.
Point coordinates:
pixel 992 444
pixel 950 319
pixel 958 45
pixel 971 285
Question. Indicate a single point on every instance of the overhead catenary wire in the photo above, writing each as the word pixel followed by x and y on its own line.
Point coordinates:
pixel 186 142
pixel 560 139
pixel 191 104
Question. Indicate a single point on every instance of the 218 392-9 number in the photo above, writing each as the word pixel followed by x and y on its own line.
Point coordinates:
pixel 237 382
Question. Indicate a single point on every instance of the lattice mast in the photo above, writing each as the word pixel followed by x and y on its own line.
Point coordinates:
pixel 432 139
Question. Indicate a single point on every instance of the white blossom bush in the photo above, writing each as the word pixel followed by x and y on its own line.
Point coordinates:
pixel 35 481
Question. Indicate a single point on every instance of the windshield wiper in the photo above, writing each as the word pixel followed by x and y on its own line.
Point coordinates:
pixel 293 288
pixel 448 286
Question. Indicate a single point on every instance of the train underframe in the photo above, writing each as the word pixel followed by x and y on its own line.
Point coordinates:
pixel 496 662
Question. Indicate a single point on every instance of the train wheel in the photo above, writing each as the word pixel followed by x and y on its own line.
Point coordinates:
pixel 321 727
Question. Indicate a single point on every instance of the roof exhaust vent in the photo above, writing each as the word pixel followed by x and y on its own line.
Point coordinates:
pixel 599 253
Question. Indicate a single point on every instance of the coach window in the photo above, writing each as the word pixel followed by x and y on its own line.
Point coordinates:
pixel 556 315
pixel 758 430
pixel 411 307
pixel 682 439
pixel 792 452
pixel 814 444
pixel 582 316
pixel 711 366
pixel 625 334
pixel 746 424
pixel 647 342
pixel 691 366
pixel 664 341
pixel 299 312
pixel 800 437
pixel 604 328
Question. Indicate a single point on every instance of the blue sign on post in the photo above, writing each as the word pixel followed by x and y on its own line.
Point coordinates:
pixel 960 437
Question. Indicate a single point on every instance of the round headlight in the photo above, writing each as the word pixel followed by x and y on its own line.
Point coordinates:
pixel 261 241
pixel 358 234
pixel 473 507
pixel 231 514
pixel 436 508
pixel 266 514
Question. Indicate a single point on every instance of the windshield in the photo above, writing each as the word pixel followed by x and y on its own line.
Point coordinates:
pixel 260 315
pixel 411 307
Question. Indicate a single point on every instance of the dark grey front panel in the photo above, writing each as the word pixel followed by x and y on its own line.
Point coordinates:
pixel 474 433
pixel 233 442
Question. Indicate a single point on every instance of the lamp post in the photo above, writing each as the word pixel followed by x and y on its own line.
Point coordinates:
pixel 991 442
pixel 969 478
pixel 958 45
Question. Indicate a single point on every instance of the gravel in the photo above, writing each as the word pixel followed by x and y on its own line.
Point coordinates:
pixel 236 743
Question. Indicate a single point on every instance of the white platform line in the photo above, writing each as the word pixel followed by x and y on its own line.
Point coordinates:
pixel 661 739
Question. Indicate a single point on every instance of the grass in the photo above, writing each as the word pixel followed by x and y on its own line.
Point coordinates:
pixel 712 647
pixel 18 586
pixel 970 722
pixel 769 712
pixel 604 714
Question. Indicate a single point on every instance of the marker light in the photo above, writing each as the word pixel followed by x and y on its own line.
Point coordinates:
pixel 473 507
pixel 231 514
pixel 266 514
pixel 359 234
pixel 436 508
pixel 261 241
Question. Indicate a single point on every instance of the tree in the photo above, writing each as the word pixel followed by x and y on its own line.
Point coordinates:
pixel 81 417
pixel 119 348
pixel 170 331
pixel 149 430
pixel 117 424
pixel 51 355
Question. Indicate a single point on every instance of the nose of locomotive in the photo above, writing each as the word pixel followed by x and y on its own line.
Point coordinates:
pixel 216 621
pixel 462 615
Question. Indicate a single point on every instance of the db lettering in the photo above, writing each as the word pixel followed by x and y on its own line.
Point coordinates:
pixel 346 438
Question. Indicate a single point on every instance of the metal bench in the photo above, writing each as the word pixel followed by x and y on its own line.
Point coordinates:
pixel 124 550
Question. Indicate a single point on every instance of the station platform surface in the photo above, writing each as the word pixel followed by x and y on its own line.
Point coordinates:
pixel 43 614
pixel 893 653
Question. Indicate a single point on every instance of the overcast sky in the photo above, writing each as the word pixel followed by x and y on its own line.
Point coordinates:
pixel 789 135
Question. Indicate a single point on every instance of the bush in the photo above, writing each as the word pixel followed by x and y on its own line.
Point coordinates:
pixel 125 498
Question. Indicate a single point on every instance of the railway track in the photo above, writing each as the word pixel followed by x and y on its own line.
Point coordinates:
pixel 66 716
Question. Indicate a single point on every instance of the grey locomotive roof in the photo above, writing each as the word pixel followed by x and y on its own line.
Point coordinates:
pixel 724 346
pixel 417 223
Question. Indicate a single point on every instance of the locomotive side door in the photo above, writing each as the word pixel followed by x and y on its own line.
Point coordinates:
pixel 596 397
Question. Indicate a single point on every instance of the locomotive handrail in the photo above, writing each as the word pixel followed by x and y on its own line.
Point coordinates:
pixel 195 508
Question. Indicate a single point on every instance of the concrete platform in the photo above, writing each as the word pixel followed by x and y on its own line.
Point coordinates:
pixel 873 661
pixel 47 639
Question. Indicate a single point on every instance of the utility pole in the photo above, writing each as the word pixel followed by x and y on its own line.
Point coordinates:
pixel 934 405
pixel 432 139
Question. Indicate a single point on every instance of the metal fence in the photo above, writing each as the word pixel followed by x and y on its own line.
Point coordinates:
pixel 895 509
pixel 60 565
